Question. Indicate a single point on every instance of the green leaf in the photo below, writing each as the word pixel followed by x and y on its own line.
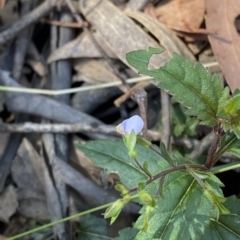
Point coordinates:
pixel 184 212
pixel 179 159
pixel 92 228
pixel 182 124
pixel 190 84
pixel 229 143
pixel 232 105
pixel 230 112
pixel 113 156
pixel 165 154
pixel 227 226
pixel 127 234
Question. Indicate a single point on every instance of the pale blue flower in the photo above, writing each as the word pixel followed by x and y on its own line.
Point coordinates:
pixel 134 123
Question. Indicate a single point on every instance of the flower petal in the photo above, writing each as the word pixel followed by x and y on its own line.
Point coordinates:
pixel 134 123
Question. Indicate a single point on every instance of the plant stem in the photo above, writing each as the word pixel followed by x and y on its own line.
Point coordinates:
pixel 64 219
pixel 139 165
pixel 223 149
pixel 211 160
pixel 69 90
pixel 170 170
pixel 174 169
pixel 60 221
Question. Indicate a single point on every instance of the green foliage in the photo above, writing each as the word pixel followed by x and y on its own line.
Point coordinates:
pixel 190 84
pixel 113 155
pixel 180 199
pixel 230 112
pixel 185 210
pixel 92 228
pixel 227 226
pixel 183 125
pixel 229 143
pixel 127 234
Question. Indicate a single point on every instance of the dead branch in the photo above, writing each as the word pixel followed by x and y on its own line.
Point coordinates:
pixel 29 19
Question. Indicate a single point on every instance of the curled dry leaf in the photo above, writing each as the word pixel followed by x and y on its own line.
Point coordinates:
pixel 119 32
pixel 181 15
pixel 80 47
pixel 93 71
pixel 226 44
pixel 166 37
pixel 8 203
pixel 38 67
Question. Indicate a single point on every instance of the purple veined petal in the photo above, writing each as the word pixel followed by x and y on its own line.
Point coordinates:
pixel 134 123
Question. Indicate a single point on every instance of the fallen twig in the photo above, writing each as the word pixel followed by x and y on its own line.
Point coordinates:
pixel 29 19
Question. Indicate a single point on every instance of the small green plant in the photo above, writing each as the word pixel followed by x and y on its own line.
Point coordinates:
pixel 180 199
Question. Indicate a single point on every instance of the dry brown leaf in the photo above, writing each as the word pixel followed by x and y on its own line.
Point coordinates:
pixel 2 4
pixel 120 33
pixel 9 15
pixel 167 39
pixel 226 44
pixel 193 36
pixel 80 47
pixel 93 71
pixel 81 162
pixel 182 15
pixel 8 203
pixel 38 67
pixel 27 173
pixel 136 5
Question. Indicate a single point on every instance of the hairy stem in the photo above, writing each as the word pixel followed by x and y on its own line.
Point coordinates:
pixel 170 170
pixel 211 160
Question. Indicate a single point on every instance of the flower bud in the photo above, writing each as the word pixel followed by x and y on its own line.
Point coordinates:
pixel 147 199
pixel 114 209
pixel 121 188
pixel 127 198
